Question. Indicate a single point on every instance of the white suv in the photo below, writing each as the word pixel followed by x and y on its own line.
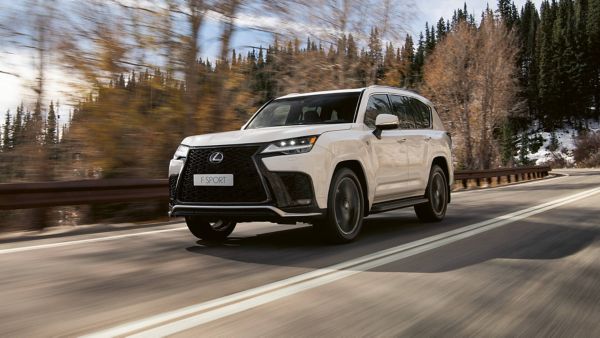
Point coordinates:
pixel 326 158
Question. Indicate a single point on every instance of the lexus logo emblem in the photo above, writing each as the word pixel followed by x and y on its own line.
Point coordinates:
pixel 216 157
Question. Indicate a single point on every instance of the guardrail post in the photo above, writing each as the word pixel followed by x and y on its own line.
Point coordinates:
pixel 472 183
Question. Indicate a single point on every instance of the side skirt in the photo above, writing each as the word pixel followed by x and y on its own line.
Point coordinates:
pixel 397 204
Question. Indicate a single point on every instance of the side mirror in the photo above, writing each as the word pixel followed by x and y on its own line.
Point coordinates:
pixel 385 122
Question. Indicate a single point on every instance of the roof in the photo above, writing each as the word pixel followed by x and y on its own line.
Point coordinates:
pixel 403 91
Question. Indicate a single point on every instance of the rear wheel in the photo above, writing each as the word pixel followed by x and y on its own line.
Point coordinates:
pixel 437 194
pixel 212 231
pixel 345 208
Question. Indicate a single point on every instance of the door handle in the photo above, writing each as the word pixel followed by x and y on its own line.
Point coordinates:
pixel 402 140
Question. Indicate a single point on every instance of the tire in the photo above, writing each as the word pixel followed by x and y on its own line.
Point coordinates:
pixel 345 208
pixel 212 231
pixel 437 195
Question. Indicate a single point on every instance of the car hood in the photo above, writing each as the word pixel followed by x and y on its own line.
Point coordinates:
pixel 261 135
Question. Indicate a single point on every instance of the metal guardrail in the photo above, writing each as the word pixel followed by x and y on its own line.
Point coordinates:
pixel 50 194
pixel 464 179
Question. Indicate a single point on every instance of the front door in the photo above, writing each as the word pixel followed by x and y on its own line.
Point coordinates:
pixel 391 159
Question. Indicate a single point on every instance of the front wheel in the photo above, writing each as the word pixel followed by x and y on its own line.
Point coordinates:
pixel 345 208
pixel 212 231
pixel 437 194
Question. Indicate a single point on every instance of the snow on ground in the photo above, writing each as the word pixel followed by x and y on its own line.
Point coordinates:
pixel 566 142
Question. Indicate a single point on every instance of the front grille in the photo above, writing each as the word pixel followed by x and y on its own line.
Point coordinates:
pixel 247 186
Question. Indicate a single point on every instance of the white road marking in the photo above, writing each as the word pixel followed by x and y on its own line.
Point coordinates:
pixel 189 317
pixel 84 241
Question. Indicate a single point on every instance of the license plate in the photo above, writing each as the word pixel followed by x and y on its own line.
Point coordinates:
pixel 214 180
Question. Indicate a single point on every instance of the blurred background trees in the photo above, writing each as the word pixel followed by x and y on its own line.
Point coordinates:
pixel 138 79
pixel 138 84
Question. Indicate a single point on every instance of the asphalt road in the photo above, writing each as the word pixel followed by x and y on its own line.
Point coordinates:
pixel 517 260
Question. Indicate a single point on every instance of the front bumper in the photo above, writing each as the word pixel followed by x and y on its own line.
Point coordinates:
pixel 290 194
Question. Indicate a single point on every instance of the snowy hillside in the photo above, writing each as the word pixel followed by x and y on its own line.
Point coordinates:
pixel 566 143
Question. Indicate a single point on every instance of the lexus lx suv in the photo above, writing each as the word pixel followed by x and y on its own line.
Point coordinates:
pixel 325 158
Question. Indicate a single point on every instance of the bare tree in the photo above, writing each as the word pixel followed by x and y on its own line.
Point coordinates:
pixel 471 76
pixel 497 86
pixel 448 79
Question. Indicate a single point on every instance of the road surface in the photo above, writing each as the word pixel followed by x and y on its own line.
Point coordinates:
pixel 516 260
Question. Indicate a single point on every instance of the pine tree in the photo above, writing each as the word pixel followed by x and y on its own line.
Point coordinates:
pixel 508 145
pixel 524 150
pixel 429 39
pixel 51 136
pixel 419 61
pixel 508 13
pixel 441 29
pixel 554 144
pixel 391 76
pixel 6 133
pixel 121 82
pixel 407 61
pixel 375 56
pixel 582 70
pixel 528 57
pixel 548 82
pixel 433 40
pixel 17 129
pixel 569 79
pixel 593 35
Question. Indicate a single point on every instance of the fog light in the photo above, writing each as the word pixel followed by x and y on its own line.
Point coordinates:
pixel 304 201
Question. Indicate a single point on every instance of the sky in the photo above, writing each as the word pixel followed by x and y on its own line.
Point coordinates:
pixel 13 89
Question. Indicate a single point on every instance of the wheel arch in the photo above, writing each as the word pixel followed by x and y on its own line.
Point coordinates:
pixel 443 163
pixel 358 169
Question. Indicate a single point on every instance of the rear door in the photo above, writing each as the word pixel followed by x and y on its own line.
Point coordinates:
pixel 413 125
pixel 389 152
pixel 419 150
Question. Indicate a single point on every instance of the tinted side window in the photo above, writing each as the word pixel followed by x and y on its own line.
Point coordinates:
pixel 421 113
pixel 378 104
pixel 401 107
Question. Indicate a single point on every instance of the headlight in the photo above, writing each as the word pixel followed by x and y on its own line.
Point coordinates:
pixel 181 152
pixel 292 146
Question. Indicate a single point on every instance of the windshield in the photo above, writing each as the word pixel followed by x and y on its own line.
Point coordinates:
pixel 312 109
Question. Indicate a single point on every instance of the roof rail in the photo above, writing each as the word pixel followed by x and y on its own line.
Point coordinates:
pixel 392 87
